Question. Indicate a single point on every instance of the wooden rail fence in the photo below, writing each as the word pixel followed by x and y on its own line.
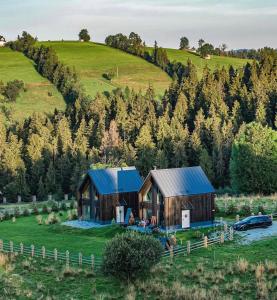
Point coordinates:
pixel 41 252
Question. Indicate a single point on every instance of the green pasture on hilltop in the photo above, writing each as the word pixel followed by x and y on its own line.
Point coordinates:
pixel 40 94
pixel 93 60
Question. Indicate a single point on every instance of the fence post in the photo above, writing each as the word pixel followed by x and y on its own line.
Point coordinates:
pixel 11 246
pixel 43 252
pixel 34 198
pixel 237 218
pixel 32 250
pixel 1 245
pixel 80 259
pixel 92 262
pixel 188 247
pixel 67 258
pixel 222 237
pixel 21 248
pixel 66 197
pixel 4 200
pixel 18 198
pixel 231 234
pixel 205 242
pixel 55 254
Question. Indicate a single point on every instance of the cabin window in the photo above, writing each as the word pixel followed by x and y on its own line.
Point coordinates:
pixel 148 196
pixel 159 197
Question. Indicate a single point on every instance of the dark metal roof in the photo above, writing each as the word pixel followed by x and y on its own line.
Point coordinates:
pixel 182 181
pixel 116 180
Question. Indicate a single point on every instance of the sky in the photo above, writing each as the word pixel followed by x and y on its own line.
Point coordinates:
pixel 237 23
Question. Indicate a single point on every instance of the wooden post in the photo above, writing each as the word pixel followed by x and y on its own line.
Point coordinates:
pixel 222 237
pixel 205 242
pixel 43 252
pixel 92 262
pixel 237 218
pixel 55 254
pixel 188 247
pixel 21 248
pixel 231 234
pixel 80 259
pixel 67 258
pixel 11 246
pixel 1 245
pixel 32 250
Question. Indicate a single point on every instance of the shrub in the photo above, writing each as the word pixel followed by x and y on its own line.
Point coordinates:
pixel 16 212
pixel 109 75
pixel 245 210
pixel 231 209
pixel 130 254
pixel 35 210
pixel 6 215
pixel 55 207
pixel 26 212
pixel 63 206
pixel 52 219
pixel 44 209
pixel 39 219
pixel 261 209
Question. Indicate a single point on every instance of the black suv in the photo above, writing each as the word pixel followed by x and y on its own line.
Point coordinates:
pixel 253 222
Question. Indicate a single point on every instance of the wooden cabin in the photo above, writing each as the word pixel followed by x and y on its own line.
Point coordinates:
pixel 108 194
pixel 177 198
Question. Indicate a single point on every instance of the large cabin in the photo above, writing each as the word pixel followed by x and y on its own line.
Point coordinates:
pixel 109 194
pixel 177 198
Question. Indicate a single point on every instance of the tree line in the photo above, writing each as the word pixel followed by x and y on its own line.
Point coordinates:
pixel 198 122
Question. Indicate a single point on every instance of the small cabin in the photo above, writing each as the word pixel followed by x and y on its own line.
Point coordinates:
pixel 177 198
pixel 109 194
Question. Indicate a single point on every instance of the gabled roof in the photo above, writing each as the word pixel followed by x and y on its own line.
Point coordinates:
pixel 116 180
pixel 181 181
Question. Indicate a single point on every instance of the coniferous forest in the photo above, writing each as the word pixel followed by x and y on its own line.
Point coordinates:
pixel 224 121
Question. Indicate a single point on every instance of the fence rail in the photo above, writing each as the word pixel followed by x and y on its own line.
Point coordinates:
pixel 68 258
pixel 226 235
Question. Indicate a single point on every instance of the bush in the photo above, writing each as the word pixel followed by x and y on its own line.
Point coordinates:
pixel 231 209
pixel 131 254
pixel 261 209
pixel 109 75
pixel 16 212
pixel 63 206
pixel 6 215
pixel 245 210
pixel 55 207
pixel 26 212
pixel 44 209
pixel 35 210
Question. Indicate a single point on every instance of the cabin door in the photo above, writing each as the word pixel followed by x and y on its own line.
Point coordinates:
pixel 185 218
pixel 119 214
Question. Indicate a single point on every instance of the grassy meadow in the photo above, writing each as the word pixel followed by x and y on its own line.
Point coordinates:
pixel 92 60
pixel 40 94
pixel 214 63
pixel 228 271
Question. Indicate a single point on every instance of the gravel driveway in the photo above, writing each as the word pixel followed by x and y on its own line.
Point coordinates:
pixel 252 235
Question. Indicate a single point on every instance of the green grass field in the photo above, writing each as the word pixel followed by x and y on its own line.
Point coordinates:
pixel 224 272
pixel 92 60
pixel 213 63
pixel 14 65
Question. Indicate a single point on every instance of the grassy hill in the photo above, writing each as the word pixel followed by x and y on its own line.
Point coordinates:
pixel 40 96
pixel 213 63
pixel 92 60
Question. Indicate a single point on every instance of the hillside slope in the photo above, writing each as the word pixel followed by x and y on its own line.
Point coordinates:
pixel 40 96
pixel 92 60
pixel 213 63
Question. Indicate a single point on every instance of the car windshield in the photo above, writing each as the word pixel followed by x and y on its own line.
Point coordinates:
pixel 247 219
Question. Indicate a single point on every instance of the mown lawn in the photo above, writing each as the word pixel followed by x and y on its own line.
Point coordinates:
pixel 41 95
pixel 92 60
